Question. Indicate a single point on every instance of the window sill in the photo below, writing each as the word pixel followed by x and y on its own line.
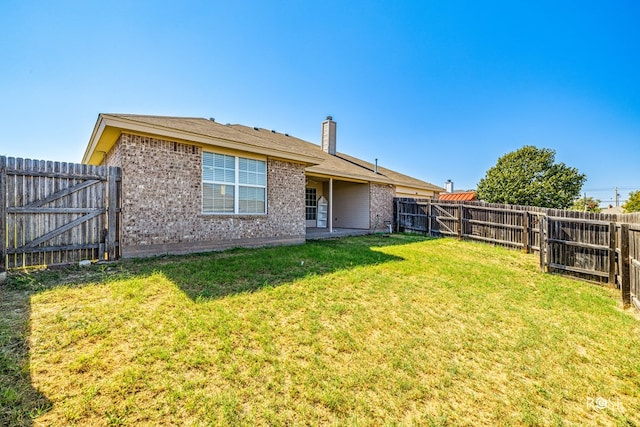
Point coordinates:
pixel 224 215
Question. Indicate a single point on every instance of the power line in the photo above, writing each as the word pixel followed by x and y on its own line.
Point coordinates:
pixel 611 188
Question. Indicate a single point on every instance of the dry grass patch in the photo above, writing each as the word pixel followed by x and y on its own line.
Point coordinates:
pixel 367 331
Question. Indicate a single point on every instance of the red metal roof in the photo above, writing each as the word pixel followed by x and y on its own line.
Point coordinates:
pixel 461 196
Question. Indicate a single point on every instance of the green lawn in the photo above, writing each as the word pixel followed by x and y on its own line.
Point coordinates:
pixel 401 330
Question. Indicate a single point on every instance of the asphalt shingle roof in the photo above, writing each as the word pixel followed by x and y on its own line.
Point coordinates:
pixel 340 165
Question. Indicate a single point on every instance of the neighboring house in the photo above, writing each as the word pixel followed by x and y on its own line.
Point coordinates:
pixel 191 184
pixel 612 210
pixel 458 196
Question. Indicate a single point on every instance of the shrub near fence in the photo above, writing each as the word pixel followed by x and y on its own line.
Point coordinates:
pixel 597 247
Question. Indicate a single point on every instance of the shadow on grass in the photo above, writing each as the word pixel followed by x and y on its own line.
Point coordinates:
pixel 216 275
pixel 20 402
pixel 202 277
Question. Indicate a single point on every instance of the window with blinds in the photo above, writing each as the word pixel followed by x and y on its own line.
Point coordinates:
pixel 233 185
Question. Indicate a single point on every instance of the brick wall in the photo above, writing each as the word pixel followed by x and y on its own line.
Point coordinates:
pixel 161 202
pixel 114 156
pixel 381 202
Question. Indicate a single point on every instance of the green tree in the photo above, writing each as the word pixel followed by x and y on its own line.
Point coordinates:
pixel 530 176
pixel 633 202
pixel 588 204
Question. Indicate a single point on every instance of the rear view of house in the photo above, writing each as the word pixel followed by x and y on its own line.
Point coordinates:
pixel 191 184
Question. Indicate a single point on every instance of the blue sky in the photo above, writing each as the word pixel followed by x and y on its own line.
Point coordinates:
pixel 434 89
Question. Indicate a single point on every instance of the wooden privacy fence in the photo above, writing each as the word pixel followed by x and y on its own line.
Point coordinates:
pixel 629 262
pixel 57 213
pixel 596 247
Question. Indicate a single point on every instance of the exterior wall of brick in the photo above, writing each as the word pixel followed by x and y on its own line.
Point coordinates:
pixel 162 210
pixel 114 156
pixel 381 204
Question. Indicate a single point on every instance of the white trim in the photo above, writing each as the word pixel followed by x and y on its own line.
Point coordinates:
pixel 236 186
pixel 330 205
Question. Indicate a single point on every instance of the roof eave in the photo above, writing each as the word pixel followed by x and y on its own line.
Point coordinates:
pixel 98 129
pixel 426 186
pixel 352 176
pixel 106 122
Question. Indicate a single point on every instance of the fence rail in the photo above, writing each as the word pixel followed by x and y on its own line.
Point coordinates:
pixel 57 213
pixel 597 247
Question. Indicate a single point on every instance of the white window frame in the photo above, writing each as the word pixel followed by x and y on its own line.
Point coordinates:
pixel 236 185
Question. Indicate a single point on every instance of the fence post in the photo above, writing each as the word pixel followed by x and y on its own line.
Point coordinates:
pixel 625 272
pixel 429 217
pixel 112 208
pixel 542 225
pixel 460 233
pixel 525 232
pixel 3 214
pixel 612 253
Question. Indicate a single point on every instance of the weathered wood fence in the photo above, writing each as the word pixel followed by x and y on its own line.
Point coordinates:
pixel 57 213
pixel 596 247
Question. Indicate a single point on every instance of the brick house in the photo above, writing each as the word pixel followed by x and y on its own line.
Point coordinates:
pixel 191 184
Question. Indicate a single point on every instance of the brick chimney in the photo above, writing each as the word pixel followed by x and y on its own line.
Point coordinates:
pixel 329 136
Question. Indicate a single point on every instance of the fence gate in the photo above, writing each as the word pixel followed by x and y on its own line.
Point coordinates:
pixel 633 252
pixel 580 247
pixel 57 213
pixel 445 219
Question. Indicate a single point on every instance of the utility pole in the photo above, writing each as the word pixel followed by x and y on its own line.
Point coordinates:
pixel 617 197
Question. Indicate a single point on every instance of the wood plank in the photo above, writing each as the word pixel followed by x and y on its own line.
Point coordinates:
pixel 625 276
pixel 54 210
pixel 55 174
pixel 543 243
pixel 447 233
pixel 612 253
pixel 77 200
pixel 429 218
pixel 494 224
pixel 445 212
pixel 61 182
pixel 3 214
pixel 28 227
pixel 65 192
pixel 11 225
pixel 525 232
pixel 578 270
pixel 492 240
pixel 58 231
pixel 49 219
pixel 42 249
pixel 20 225
pixel 578 220
pixel 113 203
pixel 448 229
pixel 494 209
pixel 579 244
